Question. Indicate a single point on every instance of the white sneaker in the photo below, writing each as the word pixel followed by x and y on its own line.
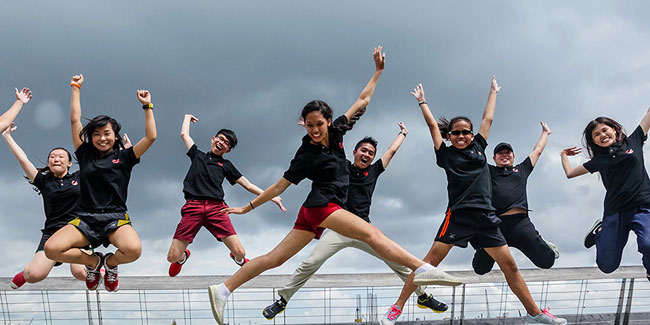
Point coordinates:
pixel 553 247
pixel 391 316
pixel 436 277
pixel 544 318
pixel 217 303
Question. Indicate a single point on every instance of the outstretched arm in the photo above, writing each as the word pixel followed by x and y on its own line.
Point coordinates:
pixel 568 169
pixel 268 194
pixel 392 149
pixel 418 93
pixel 645 122
pixel 541 143
pixel 488 114
pixel 75 110
pixel 185 130
pixel 22 97
pixel 28 167
pixel 245 183
pixel 144 96
pixel 366 93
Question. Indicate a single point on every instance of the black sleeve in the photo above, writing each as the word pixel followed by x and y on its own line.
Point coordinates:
pixel 194 149
pixel 480 140
pixel 341 125
pixel 231 173
pixel 526 166
pixel 39 180
pixel 592 166
pixel 82 151
pixel 129 157
pixel 441 154
pixel 379 167
pixel 637 137
pixel 299 168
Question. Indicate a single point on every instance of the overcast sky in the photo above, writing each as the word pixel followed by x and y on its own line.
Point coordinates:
pixel 251 66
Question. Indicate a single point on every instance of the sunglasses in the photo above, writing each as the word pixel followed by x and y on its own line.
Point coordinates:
pixel 459 132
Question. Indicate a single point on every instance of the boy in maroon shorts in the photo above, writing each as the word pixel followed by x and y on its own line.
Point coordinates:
pixel 204 196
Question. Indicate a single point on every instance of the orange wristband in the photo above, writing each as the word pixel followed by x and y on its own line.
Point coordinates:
pixel 72 84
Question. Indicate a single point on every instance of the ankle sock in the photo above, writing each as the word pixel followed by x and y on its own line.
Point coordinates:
pixel 223 290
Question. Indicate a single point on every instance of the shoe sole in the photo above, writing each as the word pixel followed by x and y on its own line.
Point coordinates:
pixel 440 282
pixel 14 286
pixel 273 316
pixel 213 301
pixel 116 288
pixel 435 311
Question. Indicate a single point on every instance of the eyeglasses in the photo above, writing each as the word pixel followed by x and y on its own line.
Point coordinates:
pixel 459 132
pixel 224 140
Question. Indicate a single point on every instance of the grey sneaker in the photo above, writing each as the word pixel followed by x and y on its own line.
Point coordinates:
pixel 545 317
pixel 217 303
pixel 436 277
pixel 553 247
pixel 272 310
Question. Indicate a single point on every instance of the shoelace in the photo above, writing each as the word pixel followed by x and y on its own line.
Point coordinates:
pixel 393 313
pixel 91 275
pixel 547 312
pixel 111 276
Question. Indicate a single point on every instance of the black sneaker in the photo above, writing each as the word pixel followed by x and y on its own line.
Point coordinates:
pixel 427 301
pixel 272 310
pixel 590 239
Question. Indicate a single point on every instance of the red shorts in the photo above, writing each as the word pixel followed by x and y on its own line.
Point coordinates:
pixel 309 219
pixel 203 213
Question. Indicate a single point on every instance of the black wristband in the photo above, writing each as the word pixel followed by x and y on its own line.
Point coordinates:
pixel 251 204
pixel 147 106
pixel 422 102
pixel 400 132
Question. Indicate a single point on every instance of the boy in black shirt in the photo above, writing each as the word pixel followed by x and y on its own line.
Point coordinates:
pixel 204 195
pixel 511 204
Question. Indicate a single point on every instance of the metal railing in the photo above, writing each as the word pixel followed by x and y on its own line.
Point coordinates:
pixel 583 295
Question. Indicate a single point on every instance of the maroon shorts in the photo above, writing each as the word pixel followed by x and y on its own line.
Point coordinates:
pixel 309 219
pixel 203 213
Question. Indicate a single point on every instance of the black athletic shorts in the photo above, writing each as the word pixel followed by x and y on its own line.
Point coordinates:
pixel 97 226
pixel 478 227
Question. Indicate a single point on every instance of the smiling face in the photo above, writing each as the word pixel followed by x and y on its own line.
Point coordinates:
pixel 364 155
pixel 460 134
pixel 59 162
pixel 103 138
pixel 316 125
pixel 504 157
pixel 603 135
pixel 220 145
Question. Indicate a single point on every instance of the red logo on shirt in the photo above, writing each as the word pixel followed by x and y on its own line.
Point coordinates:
pixel 220 164
pixel 629 151
pixel 479 153
pixel 365 173
pixel 515 170
pixel 74 182
pixel 116 161
pixel 341 145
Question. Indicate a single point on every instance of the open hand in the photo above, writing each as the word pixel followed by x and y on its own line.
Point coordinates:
pixel 278 201
pixel 192 118
pixel 418 93
pixel 571 151
pixel 380 58
pixel 545 127
pixel 495 85
pixel 23 95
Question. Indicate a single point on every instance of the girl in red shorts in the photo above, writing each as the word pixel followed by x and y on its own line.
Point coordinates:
pixel 321 158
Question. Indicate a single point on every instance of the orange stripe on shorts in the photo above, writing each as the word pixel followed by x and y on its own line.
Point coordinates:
pixel 446 224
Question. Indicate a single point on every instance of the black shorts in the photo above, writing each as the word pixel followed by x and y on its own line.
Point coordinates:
pixel 97 226
pixel 478 227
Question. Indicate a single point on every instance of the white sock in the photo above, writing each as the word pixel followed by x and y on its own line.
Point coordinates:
pixel 223 291
pixel 240 261
pixel 184 258
pixel 425 267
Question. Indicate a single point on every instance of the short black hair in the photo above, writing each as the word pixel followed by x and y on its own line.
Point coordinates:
pixel 230 135
pixel 370 140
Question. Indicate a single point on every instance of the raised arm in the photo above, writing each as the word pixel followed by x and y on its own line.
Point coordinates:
pixel 645 122
pixel 274 190
pixel 488 114
pixel 22 97
pixel 392 149
pixel 366 93
pixel 541 143
pixel 418 93
pixel 28 167
pixel 75 110
pixel 185 130
pixel 245 183
pixel 568 169
pixel 144 96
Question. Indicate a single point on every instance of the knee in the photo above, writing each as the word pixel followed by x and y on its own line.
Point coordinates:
pixel 79 273
pixel 546 263
pixel 509 266
pixel 174 256
pixel 273 260
pixel 239 252
pixel 33 276
pixel 606 267
pixel 373 236
pixel 53 249
pixel 132 250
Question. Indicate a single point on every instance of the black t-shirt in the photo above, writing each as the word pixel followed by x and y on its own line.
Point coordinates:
pixel 468 175
pixel 327 168
pixel 205 176
pixel 623 173
pixel 104 178
pixel 509 186
pixel 362 185
pixel 60 197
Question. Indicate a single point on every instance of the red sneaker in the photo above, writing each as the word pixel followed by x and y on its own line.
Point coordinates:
pixel 111 282
pixel 175 267
pixel 17 281
pixel 238 263
pixel 93 274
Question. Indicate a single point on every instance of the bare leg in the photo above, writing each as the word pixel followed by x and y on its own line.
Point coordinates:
pixel 235 246
pixel 176 250
pixel 288 247
pixel 128 246
pixel 515 281
pixel 78 271
pixel 436 254
pixel 38 268
pixel 64 245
